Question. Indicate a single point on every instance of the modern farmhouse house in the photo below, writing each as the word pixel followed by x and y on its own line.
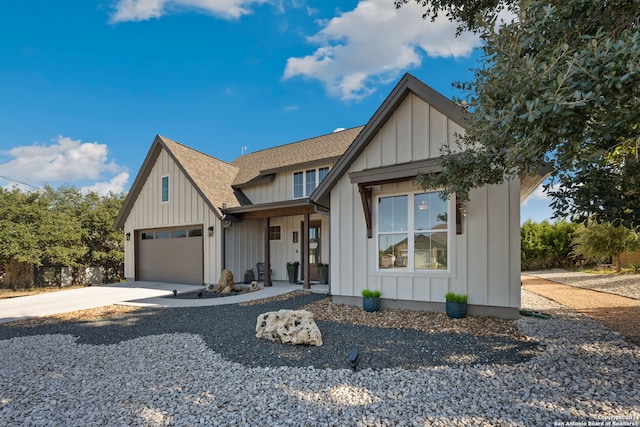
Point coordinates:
pixel 346 199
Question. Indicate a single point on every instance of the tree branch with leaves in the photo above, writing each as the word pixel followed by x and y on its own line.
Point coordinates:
pixel 560 87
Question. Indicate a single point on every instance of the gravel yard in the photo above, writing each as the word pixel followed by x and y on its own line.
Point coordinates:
pixel 203 366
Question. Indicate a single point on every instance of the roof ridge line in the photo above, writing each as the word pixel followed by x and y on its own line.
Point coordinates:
pixel 297 142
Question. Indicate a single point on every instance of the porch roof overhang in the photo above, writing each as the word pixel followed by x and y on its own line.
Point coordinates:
pixel 395 173
pixel 273 209
pixel 367 178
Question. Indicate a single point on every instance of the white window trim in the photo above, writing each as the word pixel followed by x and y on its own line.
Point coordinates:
pixel 304 181
pixel 168 189
pixel 411 231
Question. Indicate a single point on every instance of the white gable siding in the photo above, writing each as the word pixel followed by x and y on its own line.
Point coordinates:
pixel 185 207
pixel 280 189
pixel 484 259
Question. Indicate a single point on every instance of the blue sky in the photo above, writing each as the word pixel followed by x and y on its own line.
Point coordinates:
pixel 86 85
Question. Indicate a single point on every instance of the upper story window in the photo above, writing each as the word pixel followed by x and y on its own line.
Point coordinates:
pixel 413 232
pixel 165 189
pixel 304 183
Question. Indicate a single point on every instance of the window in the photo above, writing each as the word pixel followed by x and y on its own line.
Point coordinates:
pixel 274 232
pixel 165 189
pixel 175 234
pixel 413 232
pixel 195 232
pixel 162 234
pixel 322 173
pixel 298 185
pixel 310 184
pixel 304 183
pixel 149 235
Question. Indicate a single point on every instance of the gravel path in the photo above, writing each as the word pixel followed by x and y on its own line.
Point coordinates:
pixel 167 367
pixel 626 285
pixel 619 313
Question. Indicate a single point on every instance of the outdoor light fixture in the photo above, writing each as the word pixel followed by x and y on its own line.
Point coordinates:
pixel 128 236
pixel 210 229
pixel 354 358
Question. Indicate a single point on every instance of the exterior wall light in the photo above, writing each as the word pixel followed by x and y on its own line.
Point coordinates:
pixel 210 229
pixel 128 236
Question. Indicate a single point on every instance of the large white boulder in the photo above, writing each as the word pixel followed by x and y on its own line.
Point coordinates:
pixel 289 326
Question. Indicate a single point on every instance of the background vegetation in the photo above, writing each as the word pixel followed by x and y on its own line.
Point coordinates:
pixel 61 227
pixel 565 244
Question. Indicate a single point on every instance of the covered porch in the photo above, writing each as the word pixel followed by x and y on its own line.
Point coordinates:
pixel 277 234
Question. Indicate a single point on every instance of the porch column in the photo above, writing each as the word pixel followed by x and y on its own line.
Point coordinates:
pixel 305 261
pixel 267 253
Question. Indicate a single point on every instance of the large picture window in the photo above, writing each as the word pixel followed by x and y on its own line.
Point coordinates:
pixel 413 232
pixel 304 183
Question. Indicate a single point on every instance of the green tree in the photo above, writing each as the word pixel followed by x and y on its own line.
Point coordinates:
pixel 546 245
pixel 22 216
pixel 605 240
pixel 560 88
pixel 62 226
pixel 104 245
pixel 61 232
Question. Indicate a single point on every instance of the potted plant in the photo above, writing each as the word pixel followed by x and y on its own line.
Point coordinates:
pixel 248 276
pixel 292 271
pixel 456 305
pixel 370 300
pixel 323 273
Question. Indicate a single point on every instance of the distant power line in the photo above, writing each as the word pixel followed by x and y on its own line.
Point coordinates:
pixel 19 182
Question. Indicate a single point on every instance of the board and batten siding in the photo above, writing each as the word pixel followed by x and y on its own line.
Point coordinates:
pixel 185 207
pixel 245 245
pixel 279 190
pixel 484 260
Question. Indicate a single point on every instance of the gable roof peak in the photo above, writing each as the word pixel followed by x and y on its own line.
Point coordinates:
pixel 406 85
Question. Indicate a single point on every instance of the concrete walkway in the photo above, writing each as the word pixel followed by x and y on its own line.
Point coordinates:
pixel 619 313
pixel 128 293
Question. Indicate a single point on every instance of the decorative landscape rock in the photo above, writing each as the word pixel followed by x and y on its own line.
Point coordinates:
pixel 289 326
pixel 254 286
pixel 225 284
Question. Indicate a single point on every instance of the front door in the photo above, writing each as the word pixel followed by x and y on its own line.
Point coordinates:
pixel 314 250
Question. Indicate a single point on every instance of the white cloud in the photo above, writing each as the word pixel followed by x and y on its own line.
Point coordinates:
pixel 375 43
pixel 64 161
pixel 114 185
pixel 142 10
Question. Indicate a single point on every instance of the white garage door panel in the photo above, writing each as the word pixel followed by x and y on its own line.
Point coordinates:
pixel 176 260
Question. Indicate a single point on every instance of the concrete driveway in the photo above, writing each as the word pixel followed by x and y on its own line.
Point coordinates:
pixel 83 298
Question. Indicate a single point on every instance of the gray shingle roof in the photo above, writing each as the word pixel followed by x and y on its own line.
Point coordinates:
pixel 309 150
pixel 212 177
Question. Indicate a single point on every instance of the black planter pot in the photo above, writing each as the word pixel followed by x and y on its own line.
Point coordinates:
pixel 292 273
pixel 323 274
pixel 371 304
pixel 456 310
pixel 248 277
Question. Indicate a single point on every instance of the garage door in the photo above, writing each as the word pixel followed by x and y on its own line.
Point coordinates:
pixel 171 255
